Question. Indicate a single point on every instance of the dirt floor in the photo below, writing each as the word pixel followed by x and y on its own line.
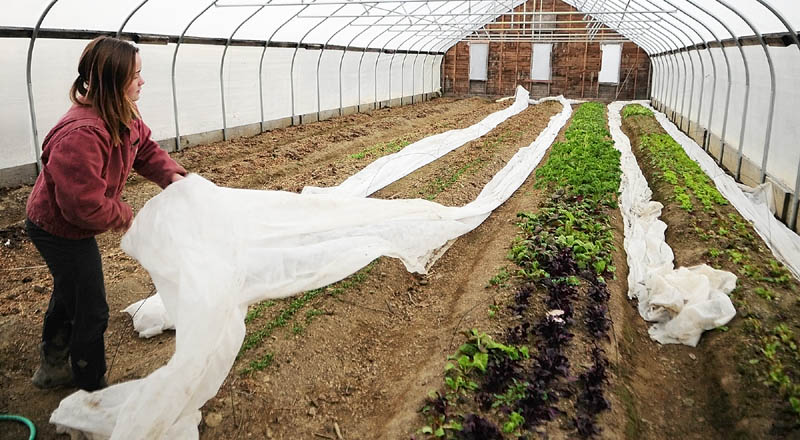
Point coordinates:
pixel 356 360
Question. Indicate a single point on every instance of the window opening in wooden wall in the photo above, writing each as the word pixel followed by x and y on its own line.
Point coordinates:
pixel 540 62
pixel 478 61
pixel 610 63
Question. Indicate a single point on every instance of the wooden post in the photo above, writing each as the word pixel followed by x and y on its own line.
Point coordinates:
pixel 455 63
pixel 636 75
pixel 500 62
pixel 583 77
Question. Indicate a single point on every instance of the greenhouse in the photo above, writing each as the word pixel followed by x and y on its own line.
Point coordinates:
pixel 424 219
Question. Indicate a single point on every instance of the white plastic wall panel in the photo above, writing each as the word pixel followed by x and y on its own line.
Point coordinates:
pixel 275 77
pixel 418 82
pixel 390 62
pixel 784 154
pixel 21 14
pixel 155 101
pixel 305 82
pixel 478 61
pixel 610 63
pixel 240 77
pixel 72 14
pixel 407 65
pixel 350 78
pixel 264 23
pixel 367 75
pixel 16 147
pixel 540 62
pixel 218 22
pixel 437 75
pixel 197 87
pixel 329 79
pixel 54 67
pixel 168 17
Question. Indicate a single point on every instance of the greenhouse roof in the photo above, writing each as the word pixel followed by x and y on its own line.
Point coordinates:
pixel 413 25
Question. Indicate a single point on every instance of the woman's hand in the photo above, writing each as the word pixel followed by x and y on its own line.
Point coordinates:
pixel 176 177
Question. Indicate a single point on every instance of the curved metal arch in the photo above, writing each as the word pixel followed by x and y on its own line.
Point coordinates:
pixel 642 41
pixel 222 69
pixel 402 65
pixel 434 41
pixel 341 61
pixel 377 59
pixel 659 63
pixel 261 62
pixel 174 59
pixel 679 45
pixel 294 55
pixel 746 79
pixel 771 114
pixel 669 63
pixel 478 23
pixel 730 81
pixel 702 72
pixel 428 48
pixel 714 85
pixel 319 59
pixel 36 147
pixel 127 19
pixel 793 33
pixel 667 43
pixel 437 45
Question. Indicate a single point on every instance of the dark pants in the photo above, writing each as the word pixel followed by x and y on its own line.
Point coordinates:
pixel 78 313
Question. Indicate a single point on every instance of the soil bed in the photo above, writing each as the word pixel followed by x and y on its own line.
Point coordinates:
pixel 738 381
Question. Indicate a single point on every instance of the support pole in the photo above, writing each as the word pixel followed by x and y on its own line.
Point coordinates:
pixel 36 147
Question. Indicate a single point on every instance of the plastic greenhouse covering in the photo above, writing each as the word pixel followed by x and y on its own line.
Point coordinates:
pixel 726 69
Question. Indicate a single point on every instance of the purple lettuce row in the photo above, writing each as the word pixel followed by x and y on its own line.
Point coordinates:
pixel 553 332
pixel 538 405
pixel 596 320
pixel 500 371
pixel 475 427
pixel 591 400
pixel 550 364
pixel 598 292
pixel 522 299
pixel 518 335
pixel 560 296
pixel 560 264
pixel 438 405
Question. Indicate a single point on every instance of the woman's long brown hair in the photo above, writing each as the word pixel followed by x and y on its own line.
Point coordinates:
pixel 106 68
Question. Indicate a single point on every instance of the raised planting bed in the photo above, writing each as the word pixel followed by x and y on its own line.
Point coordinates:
pixel 742 379
pixel 543 366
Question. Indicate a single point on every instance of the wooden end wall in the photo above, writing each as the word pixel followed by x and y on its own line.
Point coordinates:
pixel 574 66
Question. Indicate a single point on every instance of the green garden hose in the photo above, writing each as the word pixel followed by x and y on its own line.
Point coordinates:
pixel 21 419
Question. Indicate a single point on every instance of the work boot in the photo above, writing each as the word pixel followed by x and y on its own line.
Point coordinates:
pixel 54 370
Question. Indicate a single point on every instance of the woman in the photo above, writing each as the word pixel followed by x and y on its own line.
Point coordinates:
pixel 86 159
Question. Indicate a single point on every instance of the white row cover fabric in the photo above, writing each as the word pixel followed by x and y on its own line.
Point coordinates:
pixel 245 246
pixel 151 319
pixel 682 303
pixel 388 169
pixel 782 241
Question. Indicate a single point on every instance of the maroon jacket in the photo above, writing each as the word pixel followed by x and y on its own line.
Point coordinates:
pixel 77 194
